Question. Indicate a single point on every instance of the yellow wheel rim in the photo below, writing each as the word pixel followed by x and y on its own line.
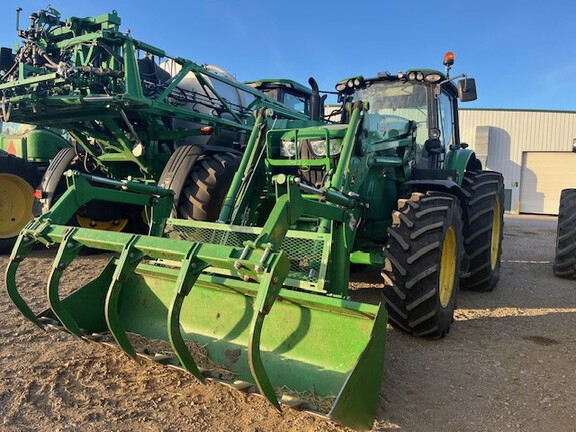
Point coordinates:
pixel 111 225
pixel 496 234
pixel 16 203
pixel 448 267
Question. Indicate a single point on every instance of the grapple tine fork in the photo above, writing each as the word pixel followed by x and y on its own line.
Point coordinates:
pixel 187 276
pixel 22 249
pixel 268 290
pixel 128 261
pixel 68 250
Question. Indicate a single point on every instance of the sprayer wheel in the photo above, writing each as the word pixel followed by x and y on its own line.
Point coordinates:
pixel 565 254
pixel 424 250
pixel 18 178
pixel 97 215
pixel 206 186
pixel 484 192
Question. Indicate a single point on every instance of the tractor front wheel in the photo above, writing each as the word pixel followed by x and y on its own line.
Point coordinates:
pixel 18 178
pixel 565 254
pixel 424 250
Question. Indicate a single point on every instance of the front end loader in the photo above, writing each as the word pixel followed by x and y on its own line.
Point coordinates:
pixel 263 290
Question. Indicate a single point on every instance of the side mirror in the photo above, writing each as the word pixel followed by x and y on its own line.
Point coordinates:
pixel 467 90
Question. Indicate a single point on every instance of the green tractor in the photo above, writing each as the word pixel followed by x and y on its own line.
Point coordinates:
pixel 130 111
pixel 25 153
pixel 263 290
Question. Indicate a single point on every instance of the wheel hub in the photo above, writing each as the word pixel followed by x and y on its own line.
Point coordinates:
pixel 16 203
pixel 116 225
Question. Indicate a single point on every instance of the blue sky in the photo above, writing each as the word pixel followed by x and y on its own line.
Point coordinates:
pixel 522 54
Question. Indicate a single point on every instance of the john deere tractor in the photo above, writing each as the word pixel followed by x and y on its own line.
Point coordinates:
pixel 130 111
pixel 263 290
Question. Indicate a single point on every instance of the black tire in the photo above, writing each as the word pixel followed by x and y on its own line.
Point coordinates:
pixel 176 172
pixel 424 249
pixel 484 191
pixel 94 214
pixel 207 185
pixel 53 182
pixel 18 179
pixel 565 254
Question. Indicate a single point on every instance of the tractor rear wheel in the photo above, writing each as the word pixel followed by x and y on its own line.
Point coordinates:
pixel 18 178
pixel 424 250
pixel 565 254
pixel 484 192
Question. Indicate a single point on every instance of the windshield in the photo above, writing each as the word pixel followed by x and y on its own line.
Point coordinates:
pixel 297 102
pixel 393 104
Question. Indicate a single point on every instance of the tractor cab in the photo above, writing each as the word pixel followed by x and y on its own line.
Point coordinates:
pixel 419 103
pixel 292 94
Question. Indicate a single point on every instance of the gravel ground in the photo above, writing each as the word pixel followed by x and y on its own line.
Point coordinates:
pixel 507 364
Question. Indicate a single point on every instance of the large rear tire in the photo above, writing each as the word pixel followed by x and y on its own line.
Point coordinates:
pixel 200 179
pixel 18 179
pixel 424 249
pixel 207 186
pixel 565 254
pixel 484 192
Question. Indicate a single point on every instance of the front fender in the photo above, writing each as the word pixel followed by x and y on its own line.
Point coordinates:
pixel 458 160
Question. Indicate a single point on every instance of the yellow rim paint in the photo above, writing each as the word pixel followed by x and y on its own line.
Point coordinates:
pixel 16 203
pixel 496 234
pixel 448 267
pixel 111 225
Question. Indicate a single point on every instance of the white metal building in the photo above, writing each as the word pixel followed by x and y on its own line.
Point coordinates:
pixel 532 149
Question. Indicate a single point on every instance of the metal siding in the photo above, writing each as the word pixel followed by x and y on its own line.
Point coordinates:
pixel 513 132
pixel 544 175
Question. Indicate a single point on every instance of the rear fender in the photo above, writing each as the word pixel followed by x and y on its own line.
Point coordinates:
pixel 54 174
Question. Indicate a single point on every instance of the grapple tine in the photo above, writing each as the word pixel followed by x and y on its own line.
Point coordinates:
pixel 21 250
pixel 128 261
pixel 68 250
pixel 268 290
pixel 255 362
pixel 189 272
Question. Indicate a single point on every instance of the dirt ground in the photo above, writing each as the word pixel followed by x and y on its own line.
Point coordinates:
pixel 509 363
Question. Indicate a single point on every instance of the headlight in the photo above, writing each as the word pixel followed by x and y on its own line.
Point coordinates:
pixel 335 147
pixel 433 78
pixel 318 147
pixel 415 76
pixel 288 148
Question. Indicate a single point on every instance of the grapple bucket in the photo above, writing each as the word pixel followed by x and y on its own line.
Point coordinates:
pixel 204 288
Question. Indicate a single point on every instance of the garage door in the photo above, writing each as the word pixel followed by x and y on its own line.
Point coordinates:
pixel 544 175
